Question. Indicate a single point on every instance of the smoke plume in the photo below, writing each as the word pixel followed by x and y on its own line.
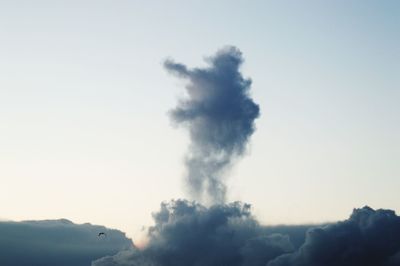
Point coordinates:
pixel 219 114
pixel 220 117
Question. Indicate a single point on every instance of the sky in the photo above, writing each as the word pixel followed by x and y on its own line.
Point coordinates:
pixel 84 130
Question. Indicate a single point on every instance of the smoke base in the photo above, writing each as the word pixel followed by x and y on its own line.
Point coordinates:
pixel 187 233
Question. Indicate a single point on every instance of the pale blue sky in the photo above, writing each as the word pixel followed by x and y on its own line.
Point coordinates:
pixel 83 100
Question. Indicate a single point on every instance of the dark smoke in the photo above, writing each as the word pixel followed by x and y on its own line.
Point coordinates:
pixel 367 238
pixel 186 233
pixel 219 114
pixel 189 234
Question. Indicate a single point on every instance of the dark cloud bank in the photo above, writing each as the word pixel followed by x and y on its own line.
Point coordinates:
pixel 220 114
pixel 56 243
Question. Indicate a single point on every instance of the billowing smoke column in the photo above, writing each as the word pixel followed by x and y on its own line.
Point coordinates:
pixel 219 114
pixel 220 117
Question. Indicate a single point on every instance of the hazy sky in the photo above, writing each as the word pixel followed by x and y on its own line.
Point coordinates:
pixel 84 131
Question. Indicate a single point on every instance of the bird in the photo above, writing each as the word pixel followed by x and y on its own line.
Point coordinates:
pixel 101 234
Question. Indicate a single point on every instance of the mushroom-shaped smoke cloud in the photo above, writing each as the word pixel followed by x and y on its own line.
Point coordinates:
pixel 220 116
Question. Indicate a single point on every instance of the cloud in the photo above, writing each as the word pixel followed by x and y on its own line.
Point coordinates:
pixel 187 233
pixel 368 238
pixel 219 114
pixel 56 242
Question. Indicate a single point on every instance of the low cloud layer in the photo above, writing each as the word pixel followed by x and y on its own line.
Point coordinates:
pixel 57 242
pixel 219 114
pixel 189 234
